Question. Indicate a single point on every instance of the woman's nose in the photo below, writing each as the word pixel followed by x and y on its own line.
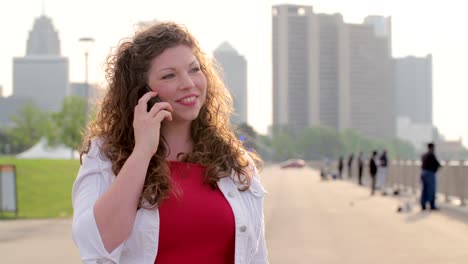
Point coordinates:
pixel 186 81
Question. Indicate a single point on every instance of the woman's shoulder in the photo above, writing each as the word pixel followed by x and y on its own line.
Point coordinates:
pixel 95 151
pixel 256 187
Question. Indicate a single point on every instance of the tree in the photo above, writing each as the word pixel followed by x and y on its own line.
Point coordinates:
pixel 248 135
pixel 320 141
pixel 402 149
pixel 30 124
pixel 5 146
pixel 67 125
pixel 284 146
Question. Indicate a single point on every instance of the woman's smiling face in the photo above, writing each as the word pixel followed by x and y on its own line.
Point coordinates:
pixel 177 78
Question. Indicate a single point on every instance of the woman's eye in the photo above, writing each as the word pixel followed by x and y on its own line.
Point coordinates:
pixel 168 76
pixel 196 69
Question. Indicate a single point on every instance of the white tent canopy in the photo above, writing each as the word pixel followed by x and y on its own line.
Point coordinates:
pixel 42 151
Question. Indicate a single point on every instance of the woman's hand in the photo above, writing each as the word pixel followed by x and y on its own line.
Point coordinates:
pixel 147 125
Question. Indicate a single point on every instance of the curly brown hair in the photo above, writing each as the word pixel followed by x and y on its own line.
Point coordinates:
pixel 215 146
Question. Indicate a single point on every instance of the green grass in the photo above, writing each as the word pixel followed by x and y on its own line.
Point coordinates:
pixel 43 186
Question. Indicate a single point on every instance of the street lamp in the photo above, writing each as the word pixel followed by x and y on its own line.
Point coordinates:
pixel 86 43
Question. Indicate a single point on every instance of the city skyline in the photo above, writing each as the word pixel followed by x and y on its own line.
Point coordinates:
pixel 110 21
pixel 332 73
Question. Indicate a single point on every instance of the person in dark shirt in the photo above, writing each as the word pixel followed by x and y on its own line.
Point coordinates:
pixel 373 170
pixel 340 167
pixel 429 167
pixel 360 166
pixel 350 165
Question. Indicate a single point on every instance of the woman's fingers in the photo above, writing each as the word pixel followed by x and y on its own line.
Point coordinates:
pixel 158 107
pixel 163 115
pixel 142 104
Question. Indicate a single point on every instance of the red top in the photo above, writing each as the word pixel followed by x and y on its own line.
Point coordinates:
pixel 197 227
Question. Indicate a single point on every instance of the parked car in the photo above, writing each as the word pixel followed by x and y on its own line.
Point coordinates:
pixel 293 163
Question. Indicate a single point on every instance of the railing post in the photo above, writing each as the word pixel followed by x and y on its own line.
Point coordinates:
pixel 409 171
pixel 462 183
pixel 414 176
pixel 405 175
pixel 401 170
pixel 447 182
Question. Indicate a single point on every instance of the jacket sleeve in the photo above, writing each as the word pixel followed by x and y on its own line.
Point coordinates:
pixel 92 181
pixel 261 255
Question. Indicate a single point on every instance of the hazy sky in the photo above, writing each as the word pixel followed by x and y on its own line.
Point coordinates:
pixel 419 27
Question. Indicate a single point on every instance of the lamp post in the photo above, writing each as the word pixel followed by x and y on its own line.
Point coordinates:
pixel 87 43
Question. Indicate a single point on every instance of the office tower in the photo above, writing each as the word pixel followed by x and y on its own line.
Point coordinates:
pixel 327 72
pixel 295 64
pixel 413 84
pixel 372 92
pixel 234 74
pixel 43 74
pixel 43 38
pixel 333 71
pixel 310 68
pixel 413 81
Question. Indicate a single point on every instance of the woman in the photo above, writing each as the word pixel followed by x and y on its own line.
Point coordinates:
pixel 169 182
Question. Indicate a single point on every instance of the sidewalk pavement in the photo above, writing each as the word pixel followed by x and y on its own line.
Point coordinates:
pixel 37 241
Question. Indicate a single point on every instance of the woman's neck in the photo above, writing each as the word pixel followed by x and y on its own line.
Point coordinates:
pixel 178 138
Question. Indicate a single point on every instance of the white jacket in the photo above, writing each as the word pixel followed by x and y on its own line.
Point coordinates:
pixel 95 177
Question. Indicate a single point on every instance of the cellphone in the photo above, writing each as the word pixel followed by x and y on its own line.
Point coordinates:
pixel 153 100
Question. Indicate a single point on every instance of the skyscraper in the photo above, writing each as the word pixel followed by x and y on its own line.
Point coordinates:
pixel 372 92
pixel 295 64
pixel 43 74
pixel 413 82
pixel 413 77
pixel 235 77
pixel 333 71
pixel 43 38
pixel 326 72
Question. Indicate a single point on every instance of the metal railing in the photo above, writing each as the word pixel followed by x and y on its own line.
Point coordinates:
pixel 452 179
pixel 405 175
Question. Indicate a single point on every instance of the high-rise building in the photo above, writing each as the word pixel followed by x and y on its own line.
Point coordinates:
pixel 333 71
pixel 43 74
pixel 295 64
pixel 413 81
pixel 372 92
pixel 413 103
pixel 235 77
pixel 326 72
pixel 43 38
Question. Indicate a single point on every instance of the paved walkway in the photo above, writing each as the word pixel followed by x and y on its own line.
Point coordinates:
pixel 37 241
pixel 336 222
pixel 307 221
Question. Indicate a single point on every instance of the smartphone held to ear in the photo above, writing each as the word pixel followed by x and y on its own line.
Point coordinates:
pixel 153 100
